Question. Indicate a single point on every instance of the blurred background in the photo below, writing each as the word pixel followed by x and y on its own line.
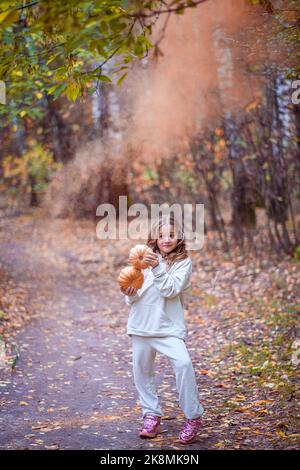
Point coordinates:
pixel 207 117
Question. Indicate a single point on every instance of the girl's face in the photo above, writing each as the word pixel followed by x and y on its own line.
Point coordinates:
pixel 166 241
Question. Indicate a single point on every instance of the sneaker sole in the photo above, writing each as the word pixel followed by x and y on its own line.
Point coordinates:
pixel 145 434
pixel 194 439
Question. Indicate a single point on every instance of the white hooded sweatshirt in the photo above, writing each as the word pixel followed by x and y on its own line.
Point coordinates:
pixel 157 307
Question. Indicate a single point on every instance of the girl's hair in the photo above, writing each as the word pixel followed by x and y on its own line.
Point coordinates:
pixel 180 251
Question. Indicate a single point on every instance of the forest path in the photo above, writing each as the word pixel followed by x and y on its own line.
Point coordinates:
pixel 72 387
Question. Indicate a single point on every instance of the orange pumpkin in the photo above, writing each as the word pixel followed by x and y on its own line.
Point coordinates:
pixel 137 255
pixel 131 277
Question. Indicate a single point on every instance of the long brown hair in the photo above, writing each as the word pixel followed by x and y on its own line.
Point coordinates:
pixel 180 252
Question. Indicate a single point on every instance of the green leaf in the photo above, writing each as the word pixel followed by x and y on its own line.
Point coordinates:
pixel 180 11
pixel 121 79
pixel 53 88
pixel 8 17
pixel 52 58
pixel 104 78
pixel 57 90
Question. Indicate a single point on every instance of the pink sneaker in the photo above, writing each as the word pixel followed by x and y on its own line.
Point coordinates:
pixel 188 434
pixel 151 426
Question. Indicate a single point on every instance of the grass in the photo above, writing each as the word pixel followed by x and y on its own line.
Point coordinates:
pixel 268 358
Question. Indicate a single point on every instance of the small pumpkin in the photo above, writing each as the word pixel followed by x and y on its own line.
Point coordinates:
pixel 137 256
pixel 131 277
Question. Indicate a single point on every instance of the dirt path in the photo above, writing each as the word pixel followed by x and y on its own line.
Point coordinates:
pixel 72 386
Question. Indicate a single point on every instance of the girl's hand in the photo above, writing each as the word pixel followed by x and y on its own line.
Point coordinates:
pixel 152 259
pixel 129 290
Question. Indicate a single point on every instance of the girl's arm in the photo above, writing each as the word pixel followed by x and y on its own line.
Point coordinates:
pixel 171 284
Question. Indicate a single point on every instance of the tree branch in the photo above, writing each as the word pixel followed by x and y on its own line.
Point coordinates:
pixel 168 10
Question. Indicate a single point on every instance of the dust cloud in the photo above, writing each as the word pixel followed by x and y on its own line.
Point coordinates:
pixel 204 71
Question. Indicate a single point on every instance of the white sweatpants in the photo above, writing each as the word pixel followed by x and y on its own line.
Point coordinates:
pixel 144 350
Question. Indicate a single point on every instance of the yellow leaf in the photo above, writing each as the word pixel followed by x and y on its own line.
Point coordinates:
pixel 203 371
pixel 251 106
pixel 9 17
pixel 219 444
pixel 260 402
pixel 239 398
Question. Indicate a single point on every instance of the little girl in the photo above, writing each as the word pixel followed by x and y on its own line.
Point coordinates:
pixel 156 323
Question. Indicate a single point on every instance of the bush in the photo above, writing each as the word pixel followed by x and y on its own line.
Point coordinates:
pixel 28 174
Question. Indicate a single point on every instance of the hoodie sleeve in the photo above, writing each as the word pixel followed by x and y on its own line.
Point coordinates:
pixel 129 299
pixel 172 284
